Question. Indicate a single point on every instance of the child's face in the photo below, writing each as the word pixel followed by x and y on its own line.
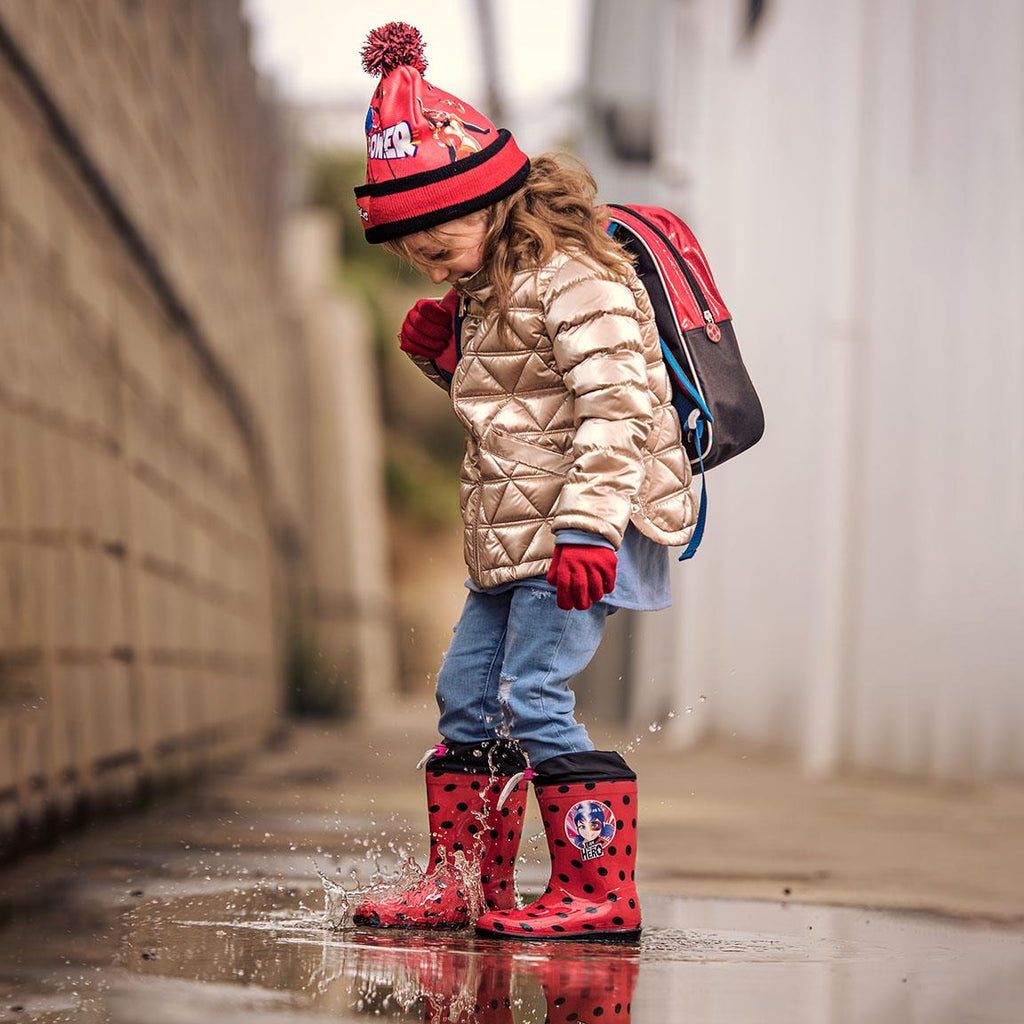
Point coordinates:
pixel 451 250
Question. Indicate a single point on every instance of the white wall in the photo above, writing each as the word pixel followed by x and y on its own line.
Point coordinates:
pixel 856 173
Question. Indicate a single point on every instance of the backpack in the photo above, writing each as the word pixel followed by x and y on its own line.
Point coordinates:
pixel 718 407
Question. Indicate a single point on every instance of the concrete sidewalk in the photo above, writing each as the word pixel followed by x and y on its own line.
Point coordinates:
pixel 723 820
pixel 209 905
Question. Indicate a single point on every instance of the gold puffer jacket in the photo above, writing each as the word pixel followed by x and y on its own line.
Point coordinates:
pixel 569 419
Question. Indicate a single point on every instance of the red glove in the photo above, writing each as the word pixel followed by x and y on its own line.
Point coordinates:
pixel 582 574
pixel 429 326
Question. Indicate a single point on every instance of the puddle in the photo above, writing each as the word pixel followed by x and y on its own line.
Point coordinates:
pixel 177 949
pixel 202 920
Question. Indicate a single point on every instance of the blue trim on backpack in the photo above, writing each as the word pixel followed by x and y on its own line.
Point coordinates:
pixel 685 402
pixel 680 378
pixel 698 531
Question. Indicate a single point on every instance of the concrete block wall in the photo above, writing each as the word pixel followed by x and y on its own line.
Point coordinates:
pixel 149 400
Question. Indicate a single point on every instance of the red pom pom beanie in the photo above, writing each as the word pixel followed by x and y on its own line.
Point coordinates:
pixel 430 158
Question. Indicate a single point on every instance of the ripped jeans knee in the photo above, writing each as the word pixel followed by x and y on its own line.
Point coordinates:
pixel 509 670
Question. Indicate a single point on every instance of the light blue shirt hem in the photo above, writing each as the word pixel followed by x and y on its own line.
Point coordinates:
pixel 642 581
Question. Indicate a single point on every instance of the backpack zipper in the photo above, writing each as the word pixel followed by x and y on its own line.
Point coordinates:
pixel 711 329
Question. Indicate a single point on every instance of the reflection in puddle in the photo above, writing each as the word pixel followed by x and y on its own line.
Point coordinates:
pixel 444 982
pixel 441 977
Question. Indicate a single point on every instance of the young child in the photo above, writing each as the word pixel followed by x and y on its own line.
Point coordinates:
pixel 574 481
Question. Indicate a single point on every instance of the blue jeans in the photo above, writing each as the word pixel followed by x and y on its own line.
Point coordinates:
pixel 508 669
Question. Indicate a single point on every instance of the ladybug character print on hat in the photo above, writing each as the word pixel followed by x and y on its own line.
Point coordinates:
pixel 590 827
pixel 450 131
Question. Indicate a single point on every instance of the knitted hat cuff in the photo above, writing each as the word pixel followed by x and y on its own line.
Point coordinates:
pixel 403 206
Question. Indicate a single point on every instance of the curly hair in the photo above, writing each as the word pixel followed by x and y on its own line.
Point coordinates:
pixel 555 209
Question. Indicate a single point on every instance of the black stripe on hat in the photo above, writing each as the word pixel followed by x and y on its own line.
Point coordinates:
pixel 392 186
pixel 409 226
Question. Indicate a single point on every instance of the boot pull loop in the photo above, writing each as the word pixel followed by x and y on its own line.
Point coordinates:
pixel 525 775
pixel 437 750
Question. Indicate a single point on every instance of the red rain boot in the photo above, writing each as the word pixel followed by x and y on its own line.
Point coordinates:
pixel 591 989
pixel 462 795
pixel 588 805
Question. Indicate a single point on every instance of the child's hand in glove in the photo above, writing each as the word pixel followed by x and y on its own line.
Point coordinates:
pixel 429 326
pixel 582 574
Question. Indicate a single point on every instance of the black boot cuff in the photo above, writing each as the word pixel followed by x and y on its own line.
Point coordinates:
pixel 586 766
pixel 488 757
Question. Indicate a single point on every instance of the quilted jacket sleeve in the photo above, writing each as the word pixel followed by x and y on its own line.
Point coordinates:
pixel 429 368
pixel 596 329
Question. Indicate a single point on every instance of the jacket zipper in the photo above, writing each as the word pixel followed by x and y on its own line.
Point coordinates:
pixel 710 327
pixel 460 316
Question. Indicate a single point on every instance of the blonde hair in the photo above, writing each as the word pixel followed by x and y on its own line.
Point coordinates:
pixel 555 209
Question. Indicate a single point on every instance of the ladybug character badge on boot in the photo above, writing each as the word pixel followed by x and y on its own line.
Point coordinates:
pixel 590 827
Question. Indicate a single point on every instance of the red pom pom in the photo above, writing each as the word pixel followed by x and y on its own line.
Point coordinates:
pixel 392 46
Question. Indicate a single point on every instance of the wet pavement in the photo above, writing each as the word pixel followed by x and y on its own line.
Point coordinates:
pixel 210 907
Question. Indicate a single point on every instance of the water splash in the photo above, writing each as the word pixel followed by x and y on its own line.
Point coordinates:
pixel 340 902
pixel 659 724
pixel 337 900
pixel 455 879
pixel 632 745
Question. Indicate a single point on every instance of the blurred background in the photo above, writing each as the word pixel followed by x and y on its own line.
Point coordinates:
pixel 226 497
